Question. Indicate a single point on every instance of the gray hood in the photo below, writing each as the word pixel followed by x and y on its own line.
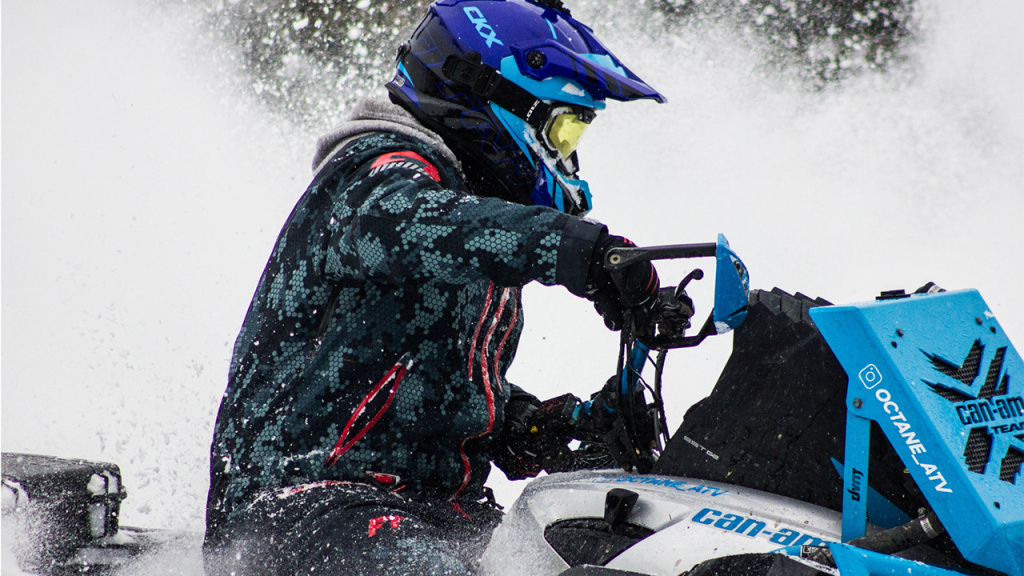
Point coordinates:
pixel 377 116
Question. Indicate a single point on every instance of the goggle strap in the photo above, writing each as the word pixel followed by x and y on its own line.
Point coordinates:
pixel 487 83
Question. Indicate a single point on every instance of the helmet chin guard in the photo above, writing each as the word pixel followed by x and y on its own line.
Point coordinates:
pixel 556 184
pixel 510 85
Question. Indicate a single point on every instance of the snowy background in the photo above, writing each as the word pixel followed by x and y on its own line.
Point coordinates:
pixel 143 185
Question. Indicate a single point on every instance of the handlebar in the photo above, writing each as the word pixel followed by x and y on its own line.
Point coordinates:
pixel 618 259
pixel 731 285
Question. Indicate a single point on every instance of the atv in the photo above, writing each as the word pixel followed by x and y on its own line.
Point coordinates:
pixel 878 438
pixel 884 437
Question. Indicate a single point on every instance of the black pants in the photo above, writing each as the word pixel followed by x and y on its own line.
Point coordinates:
pixel 349 529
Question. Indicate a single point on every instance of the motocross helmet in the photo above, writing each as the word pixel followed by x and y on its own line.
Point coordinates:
pixel 511 85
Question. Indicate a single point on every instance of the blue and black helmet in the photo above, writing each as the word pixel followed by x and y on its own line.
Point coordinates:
pixel 510 85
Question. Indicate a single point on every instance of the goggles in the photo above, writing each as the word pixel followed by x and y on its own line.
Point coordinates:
pixel 565 127
pixel 559 124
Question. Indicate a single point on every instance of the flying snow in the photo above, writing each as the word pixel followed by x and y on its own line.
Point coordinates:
pixel 143 194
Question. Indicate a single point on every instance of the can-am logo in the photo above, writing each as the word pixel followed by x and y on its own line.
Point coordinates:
pixel 983 402
pixel 482 27
pixel 753 527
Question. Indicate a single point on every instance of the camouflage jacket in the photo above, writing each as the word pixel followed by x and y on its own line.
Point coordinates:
pixel 376 345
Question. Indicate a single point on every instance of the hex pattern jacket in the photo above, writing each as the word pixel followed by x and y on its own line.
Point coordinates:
pixel 376 344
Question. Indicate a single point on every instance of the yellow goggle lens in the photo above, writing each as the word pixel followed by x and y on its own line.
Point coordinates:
pixel 565 132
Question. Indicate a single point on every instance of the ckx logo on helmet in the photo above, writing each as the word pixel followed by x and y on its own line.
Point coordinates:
pixel 480 22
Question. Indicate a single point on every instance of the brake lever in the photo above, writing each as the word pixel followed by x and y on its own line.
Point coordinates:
pixel 695 274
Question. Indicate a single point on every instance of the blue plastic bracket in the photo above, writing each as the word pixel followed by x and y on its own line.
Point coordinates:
pixel 855 476
pixel 941 379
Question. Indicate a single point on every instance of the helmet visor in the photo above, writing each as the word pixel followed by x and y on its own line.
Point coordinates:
pixel 565 129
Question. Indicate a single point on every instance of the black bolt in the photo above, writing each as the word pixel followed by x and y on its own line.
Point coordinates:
pixel 978 320
pixel 536 59
pixel 899 332
pixel 993 329
pixel 857 402
pixel 893 343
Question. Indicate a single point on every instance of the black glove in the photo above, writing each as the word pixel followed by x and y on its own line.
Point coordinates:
pixel 639 285
pixel 535 436
pixel 673 312
pixel 597 417
pixel 601 428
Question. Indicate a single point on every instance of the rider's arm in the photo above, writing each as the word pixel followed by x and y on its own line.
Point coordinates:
pixel 411 228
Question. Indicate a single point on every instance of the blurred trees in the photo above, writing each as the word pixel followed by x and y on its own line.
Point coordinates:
pixel 828 39
pixel 312 59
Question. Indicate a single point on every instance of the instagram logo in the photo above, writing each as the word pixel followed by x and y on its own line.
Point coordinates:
pixel 870 376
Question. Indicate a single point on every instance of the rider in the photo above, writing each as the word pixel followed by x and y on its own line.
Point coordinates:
pixel 367 389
